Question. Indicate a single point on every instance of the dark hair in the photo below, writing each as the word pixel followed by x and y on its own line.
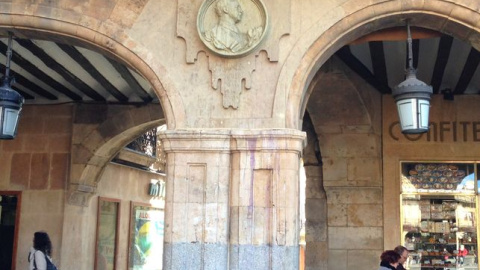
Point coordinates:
pixel 400 250
pixel 390 256
pixel 42 242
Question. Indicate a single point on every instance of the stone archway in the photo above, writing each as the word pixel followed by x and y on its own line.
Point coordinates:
pixel 95 143
pixel 92 33
pixel 89 158
pixel 317 48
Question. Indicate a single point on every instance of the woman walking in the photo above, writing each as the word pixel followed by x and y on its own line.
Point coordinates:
pixel 41 252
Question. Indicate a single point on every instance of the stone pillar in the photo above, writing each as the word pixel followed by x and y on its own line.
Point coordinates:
pixel 232 199
pixel 196 203
pixel 316 251
pixel 264 206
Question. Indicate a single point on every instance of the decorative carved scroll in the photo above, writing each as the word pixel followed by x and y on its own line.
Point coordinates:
pixel 232 30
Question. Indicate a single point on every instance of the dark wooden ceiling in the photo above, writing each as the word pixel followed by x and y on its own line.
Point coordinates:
pixel 447 64
pixel 49 72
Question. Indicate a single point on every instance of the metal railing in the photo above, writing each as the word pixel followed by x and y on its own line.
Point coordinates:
pixel 145 144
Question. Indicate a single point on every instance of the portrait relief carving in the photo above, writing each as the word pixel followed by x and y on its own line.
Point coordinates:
pixel 232 28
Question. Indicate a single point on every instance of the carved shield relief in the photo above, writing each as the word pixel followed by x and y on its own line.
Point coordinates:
pixel 232 28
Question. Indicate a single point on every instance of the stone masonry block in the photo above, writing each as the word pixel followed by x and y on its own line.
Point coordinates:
pixel 58 125
pixel 335 169
pixel 337 214
pixel 292 226
pixel 57 112
pixel 196 181
pixel 234 188
pixel 245 225
pixel 262 188
pixel 288 161
pixel 362 215
pixel 40 171
pixel 76 171
pixel 15 145
pixel 355 238
pixel 31 125
pixel 363 259
pixel 316 210
pixel 195 222
pixel 337 259
pixel 20 169
pixel 36 143
pixel 315 232
pixel 180 188
pixel 349 145
pixel 38 201
pixel 5 158
pixel 317 255
pixel 234 225
pixel 364 169
pixel 354 195
pixel 261 231
pixel 223 185
pixel 179 224
pixel 59 143
pixel 468 15
pixel 314 188
pixel 245 189
pixel 125 13
pixel 314 171
pixel 332 129
pixel 282 227
pixel 59 170
pixel 168 218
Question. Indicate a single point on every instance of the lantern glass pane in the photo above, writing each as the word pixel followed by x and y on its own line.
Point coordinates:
pixel 424 108
pixel 407 111
pixel 10 121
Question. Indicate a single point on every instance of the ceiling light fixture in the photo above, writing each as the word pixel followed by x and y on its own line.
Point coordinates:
pixel 10 101
pixel 413 98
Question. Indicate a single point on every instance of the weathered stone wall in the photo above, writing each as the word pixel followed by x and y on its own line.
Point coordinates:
pixel 117 182
pixel 37 163
pixel 346 113
pixel 159 39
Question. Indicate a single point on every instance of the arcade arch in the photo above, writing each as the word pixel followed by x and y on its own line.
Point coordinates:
pixel 303 75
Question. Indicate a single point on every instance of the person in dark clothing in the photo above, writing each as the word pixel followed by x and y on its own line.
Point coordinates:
pixel 403 252
pixel 389 260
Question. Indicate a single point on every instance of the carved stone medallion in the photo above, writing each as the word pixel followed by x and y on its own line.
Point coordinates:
pixel 232 28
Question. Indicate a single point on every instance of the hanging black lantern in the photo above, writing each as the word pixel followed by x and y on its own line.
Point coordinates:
pixel 10 101
pixel 413 98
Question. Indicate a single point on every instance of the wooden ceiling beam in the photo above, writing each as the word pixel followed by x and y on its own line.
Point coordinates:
pixel 31 85
pixel 357 66
pixel 60 69
pixel 377 55
pixel 131 81
pixel 443 54
pixel 39 74
pixel 468 71
pixel 93 71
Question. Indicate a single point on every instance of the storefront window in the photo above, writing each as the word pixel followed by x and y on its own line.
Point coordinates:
pixel 439 215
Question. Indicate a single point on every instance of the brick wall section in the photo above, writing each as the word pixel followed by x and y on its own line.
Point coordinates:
pixel 39 155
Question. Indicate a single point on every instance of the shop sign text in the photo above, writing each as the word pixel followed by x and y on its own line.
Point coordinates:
pixel 461 131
